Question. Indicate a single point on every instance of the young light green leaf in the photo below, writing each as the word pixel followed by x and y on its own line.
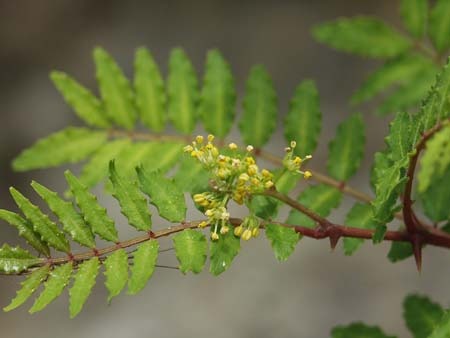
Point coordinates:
pixel 264 207
pixel 401 139
pixel 415 15
pixel 25 230
pixel 218 96
pixel 84 281
pixel 183 92
pixel 97 168
pixel 132 203
pixel 116 91
pixel 164 194
pixel 436 159
pixel 399 71
pixel 58 279
pixel 222 253
pixel 347 148
pixel 319 198
pixel 358 330
pixel 442 329
pixel 150 91
pixel 436 106
pixel 48 230
pixel 380 164
pixel 359 216
pixel 439 25
pixel 408 95
pixel 144 262
pixel 191 250
pixel 116 272
pixel 283 240
pixel 69 145
pixel 421 315
pixel 15 260
pixel 93 213
pixel 71 220
pixel 259 116
pixel 191 176
pixel 435 198
pixel 399 251
pixel 29 286
pixel 362 35
pixel 88 107
pixel 303 121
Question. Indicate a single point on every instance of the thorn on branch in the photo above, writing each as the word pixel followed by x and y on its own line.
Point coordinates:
pixel 417 250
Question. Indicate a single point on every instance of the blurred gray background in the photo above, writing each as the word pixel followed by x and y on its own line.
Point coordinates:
pixel 257 297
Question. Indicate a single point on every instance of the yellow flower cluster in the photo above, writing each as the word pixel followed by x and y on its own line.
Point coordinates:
pixel 249 228
pixel 294 163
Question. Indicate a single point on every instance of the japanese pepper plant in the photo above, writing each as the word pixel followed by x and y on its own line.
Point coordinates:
pixel 145 165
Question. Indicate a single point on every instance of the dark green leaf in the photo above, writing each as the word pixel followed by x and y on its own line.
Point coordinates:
pixel 283 240
pixel 362 35
pixel 439 25
pixel 150 91
pixel 69 145
pixel 218 96
pixel 421 315
pixel 143 266
pixel 415 16
pixel 222 253
pixel 183 92
pixel 88 107
pixel 347 148
pixel 48 230
pixel 191 250
pixel 116 91
pixel 380 232
pixel 259 116
pixel 358 330
pixel 435 199
pixel 303 121
pixel 164 194
pixel 400 251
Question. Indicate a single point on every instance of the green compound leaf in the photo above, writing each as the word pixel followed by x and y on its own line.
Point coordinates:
pixel 116 272
pixel 435 199
pixel 183 92
pixel 69 145
pixel 218 96
pixel 359 216
pixel 400 251
pixel 116 91
pixel 132 203
pixel 150 91
pixel 84 281
pixel 48 230
pixel 26 231
pixel 15 260
pixel 304 119
pixel 439 25
pixel 71 220
pixel 436 107
pixel 222 253
pixel 144 262
pixel 97 167
pixel 191 176
pixel 93 213
pixel 88 107
pixel 399 71
pixel 436 159
pixel 29 286
pixel 319 198
pixel 191 250
pixel 415 15
pixel 259 118
pixel 58 279
pixel 164 194
pixel 421 315
pixel 347 148
pixel 410 94
pixel 283 240
pixel 443 328
pixel 358 330
pixel 362 35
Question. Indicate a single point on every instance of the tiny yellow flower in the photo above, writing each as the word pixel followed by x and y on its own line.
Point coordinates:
pixel 250 148
pixel 268 184
pixel 252 169
pixel 199 139
pixel 307 174
pixel 238 231
pixel 202 224
pixel 195 153
pixel 255 232
pixel 297 160
pixel 209 213
pixel 210 138
pixel 214 236
pixel 232 146
pixel 266 173
pixel 247 234
pixel 244 177
pixel 188 149
pixel 293 144
pixel 224 230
